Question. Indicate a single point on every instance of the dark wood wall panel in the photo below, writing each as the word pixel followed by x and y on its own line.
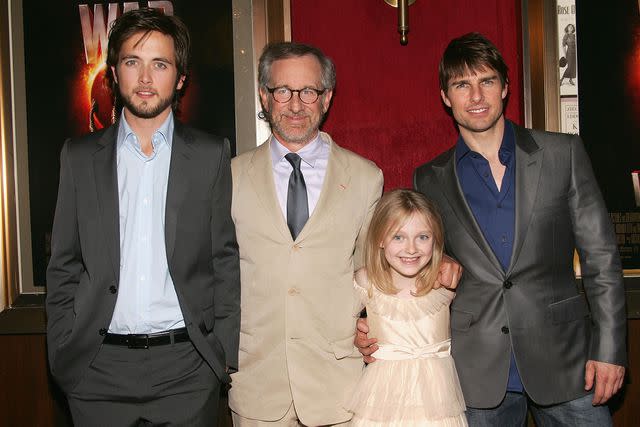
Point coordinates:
pixel 27 395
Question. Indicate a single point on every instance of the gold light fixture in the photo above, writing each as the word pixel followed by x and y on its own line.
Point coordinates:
pixel 403 17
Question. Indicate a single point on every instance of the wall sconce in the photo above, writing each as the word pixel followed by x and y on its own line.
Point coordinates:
pixel 403 17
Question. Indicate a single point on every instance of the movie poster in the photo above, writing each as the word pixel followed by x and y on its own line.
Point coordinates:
pixel 568 66
pixel 567 48
pixel 609 69
pixel 64 47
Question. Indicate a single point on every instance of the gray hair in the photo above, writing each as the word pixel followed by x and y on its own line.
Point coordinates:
pixel 284 50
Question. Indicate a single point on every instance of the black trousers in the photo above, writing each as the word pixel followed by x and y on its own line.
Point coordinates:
pixel 167 385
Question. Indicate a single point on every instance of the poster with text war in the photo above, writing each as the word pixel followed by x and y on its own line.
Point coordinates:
pixel 65 45
pixel 609 93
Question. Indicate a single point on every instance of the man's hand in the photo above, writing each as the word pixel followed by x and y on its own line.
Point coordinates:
pixel 365 345
pixel 608 379
pixel 449 274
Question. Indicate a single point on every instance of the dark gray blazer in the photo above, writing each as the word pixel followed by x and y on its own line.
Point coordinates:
pixel 83 273
pixel 533 307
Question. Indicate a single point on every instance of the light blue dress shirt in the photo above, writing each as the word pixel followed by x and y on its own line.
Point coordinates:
pixel 147 300
pixel 315 158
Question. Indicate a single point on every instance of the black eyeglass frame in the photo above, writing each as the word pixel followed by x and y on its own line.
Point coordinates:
pixel 318 92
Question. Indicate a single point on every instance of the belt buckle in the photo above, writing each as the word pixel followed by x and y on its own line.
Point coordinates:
pixel 138 341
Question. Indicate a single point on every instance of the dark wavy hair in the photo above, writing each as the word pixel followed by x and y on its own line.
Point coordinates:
pixel 473 52
pixel 142 22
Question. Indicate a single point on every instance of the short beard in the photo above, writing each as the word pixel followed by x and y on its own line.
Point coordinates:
pixel 295 139
pixel 288 137
pixel 143 111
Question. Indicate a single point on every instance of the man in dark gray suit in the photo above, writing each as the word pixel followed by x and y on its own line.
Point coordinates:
pixel 515 204
pixel 143 284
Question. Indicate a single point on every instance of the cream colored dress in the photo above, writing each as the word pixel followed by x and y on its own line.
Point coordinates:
pixel 413 381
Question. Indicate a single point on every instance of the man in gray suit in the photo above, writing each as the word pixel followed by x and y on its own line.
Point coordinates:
pixel 515 204
pixel 143 291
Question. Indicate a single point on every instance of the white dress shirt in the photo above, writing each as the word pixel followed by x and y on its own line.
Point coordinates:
pixel 147 300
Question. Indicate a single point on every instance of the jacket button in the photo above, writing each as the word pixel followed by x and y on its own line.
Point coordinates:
pixel 113 289
pixel 507 284
pixel 505 330
pixel 102 331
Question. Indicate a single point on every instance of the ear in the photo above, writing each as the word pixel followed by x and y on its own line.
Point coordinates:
pixel 264 98
pixel 326 100
pixel 114 73
pixel 181 82
pixel 445 99
pixel 505 90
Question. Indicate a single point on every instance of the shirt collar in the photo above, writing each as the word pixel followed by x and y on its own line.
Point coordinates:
pixel 309 154
pixel 163 135
pixel 506 150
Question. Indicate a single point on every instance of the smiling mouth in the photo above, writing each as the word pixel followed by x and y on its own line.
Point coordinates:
pixel 145 92
pixel 409 260
pixel 478 110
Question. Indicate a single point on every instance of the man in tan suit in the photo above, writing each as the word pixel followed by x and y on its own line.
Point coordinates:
pixel 301 206
pixel 297 358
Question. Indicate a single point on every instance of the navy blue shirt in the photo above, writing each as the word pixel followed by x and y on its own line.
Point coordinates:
pixel 493 209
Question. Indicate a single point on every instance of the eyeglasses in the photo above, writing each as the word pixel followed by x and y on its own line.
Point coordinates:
pixel 307 95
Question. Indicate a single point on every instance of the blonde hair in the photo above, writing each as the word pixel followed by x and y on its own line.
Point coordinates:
pixel 394 209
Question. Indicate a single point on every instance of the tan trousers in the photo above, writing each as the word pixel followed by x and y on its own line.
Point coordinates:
pixel 290 419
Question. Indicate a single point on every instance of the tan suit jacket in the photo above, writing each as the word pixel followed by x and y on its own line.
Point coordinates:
pixel 298 306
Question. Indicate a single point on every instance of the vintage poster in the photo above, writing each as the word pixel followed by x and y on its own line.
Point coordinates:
pixel 569 115
pixel 567 48
pixel 64 47
pixel 609 69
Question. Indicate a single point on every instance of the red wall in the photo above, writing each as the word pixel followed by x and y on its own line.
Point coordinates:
pixel 387 104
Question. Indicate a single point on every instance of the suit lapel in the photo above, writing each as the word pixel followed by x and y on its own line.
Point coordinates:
pixel 106 181
pixel 528 167
pixel 260 173
pixel 336 181
pixel 448 179
pixel 177 186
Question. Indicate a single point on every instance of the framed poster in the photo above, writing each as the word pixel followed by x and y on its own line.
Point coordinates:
pixel 58 92
pixel 609 92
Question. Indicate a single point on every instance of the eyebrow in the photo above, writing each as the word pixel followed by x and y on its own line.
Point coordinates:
pixel 467 81
pixel 160 59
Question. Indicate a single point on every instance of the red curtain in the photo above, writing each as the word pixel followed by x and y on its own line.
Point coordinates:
pixel 387 104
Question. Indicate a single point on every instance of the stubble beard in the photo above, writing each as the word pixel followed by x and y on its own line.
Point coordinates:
pixel 293 137
pixel 468 125
pixel 144 110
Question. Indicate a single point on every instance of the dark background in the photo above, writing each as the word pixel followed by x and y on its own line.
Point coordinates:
pixel 609 97
pixel 608 39
pixel 55 65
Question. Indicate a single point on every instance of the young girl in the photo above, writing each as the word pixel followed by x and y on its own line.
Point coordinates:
pixel 413 381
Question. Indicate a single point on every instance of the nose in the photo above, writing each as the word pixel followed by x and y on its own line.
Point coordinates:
pixel 411 246
pixel 145 75
pixel 476 93
pixel 295 105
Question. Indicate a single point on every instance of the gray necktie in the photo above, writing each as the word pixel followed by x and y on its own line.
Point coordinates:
pixel 297 205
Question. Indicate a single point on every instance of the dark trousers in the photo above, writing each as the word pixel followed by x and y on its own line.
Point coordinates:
pixel 167 385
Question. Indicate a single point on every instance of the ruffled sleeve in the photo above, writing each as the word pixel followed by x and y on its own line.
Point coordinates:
pixel 361 286
pixel 410 309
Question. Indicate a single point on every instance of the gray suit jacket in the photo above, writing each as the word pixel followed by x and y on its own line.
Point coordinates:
pixel 534 307
pixel 202 253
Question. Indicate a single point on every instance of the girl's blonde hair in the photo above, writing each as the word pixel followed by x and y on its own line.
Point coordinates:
pixel 394 209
